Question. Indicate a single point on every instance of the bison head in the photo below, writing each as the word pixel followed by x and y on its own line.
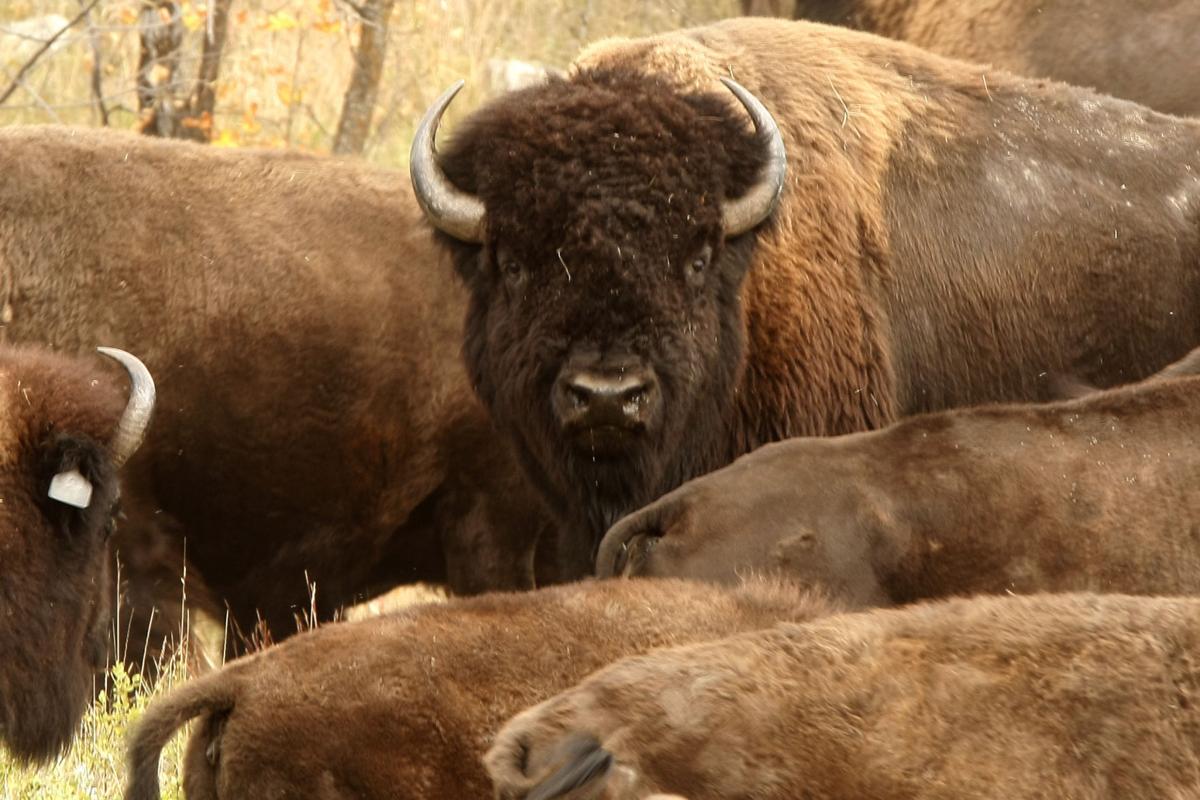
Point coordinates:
pixel 58 492
pixel 598 223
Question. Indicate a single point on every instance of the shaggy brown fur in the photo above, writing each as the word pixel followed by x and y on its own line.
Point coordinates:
pixel 56 583
pixel 939 243
pixel 403 706
pixel 1019 697
pixel 1095 494
pixel 314 418
pixel 1144 50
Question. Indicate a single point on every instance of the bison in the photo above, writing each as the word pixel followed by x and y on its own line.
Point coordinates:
pixel 1016 697
pixel 1094 494
pixel 658 286
pixel 66 429
pixel 413 698
pixel 1142 51
pixel 316 421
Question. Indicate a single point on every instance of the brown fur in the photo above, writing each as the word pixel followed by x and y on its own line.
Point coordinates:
pixel 56 582
pixel 939 243
pixel 1095 494
pixel 403 706
pixel 1079 696
pixel 314 419
pixel 1141 50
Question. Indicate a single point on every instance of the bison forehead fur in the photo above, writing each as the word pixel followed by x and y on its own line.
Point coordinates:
pixel 604 236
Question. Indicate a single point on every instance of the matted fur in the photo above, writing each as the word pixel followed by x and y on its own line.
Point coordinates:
pixel 1142 51
pixel 315 425
pixel 404 706
pixel 1097 493
pixel 939 243
pixel 57 413
pixel 1017 697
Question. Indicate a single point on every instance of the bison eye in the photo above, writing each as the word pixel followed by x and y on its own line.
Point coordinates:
pixel 697 266
pixel 511 270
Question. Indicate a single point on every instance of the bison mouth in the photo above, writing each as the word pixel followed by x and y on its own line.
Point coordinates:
pixel 605 441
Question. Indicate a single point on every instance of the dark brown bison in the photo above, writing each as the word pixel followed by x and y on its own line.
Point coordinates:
pixel 316 421
pixel 645 307
pixel 404 706
pixel 1143 51
pixel 1096 494
pixel 65 431
pixel 1015 697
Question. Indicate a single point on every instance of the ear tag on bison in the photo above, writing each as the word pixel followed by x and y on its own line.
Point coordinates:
pixel 71 488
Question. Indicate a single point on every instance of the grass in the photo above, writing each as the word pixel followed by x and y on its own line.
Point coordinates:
pixel 94 769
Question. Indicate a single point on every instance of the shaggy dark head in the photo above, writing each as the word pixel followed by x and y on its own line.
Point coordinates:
pixel 62 429
pixel 605 329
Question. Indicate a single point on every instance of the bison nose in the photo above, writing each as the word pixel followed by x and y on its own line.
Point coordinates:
pixel 592 399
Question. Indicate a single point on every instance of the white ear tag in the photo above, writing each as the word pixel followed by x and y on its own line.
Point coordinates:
pixel 71 488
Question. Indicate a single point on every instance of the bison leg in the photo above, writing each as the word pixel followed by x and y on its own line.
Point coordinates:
pixel 162 596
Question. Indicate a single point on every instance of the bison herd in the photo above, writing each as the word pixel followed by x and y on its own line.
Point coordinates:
pixel 878 373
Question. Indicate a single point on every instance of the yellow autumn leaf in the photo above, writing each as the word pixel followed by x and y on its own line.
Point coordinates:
pixel 286 94
pixel 282 20
pixel 250 123
pixel 193 20
pixel 225 138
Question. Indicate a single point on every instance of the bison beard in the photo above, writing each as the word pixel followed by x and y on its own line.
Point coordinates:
pixel 587 191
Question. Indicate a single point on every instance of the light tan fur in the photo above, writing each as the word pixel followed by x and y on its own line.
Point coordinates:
pixel 1064 696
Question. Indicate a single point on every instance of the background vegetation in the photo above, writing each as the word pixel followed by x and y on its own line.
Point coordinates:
pixel 287 63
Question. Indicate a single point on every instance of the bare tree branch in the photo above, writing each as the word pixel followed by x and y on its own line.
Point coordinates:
pixel 97 77
pixel 16 82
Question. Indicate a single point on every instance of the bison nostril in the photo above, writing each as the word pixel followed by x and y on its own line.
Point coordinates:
pixel 593 399
pixel 580 397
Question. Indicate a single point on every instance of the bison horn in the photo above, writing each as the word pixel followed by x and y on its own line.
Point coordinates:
pixel 451 210
pixel 616 541
pixel 757 204
pixel 132 427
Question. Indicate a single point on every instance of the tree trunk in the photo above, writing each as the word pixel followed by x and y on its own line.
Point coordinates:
pixel 359 105
pixel 199 121
pixel 160 28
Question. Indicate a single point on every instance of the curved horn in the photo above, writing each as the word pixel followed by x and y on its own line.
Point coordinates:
pixel 757 204
pixel 449 209
pixel 132 427
pixel 647 521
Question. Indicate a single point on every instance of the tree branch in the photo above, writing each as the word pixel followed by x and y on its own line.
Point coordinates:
pixel 16 82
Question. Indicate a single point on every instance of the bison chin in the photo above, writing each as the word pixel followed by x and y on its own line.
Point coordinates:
pixel 602 489
pixel 40 722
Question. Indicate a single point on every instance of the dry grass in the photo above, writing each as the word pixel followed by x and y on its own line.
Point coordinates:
pixel 94 769
pixel 288 61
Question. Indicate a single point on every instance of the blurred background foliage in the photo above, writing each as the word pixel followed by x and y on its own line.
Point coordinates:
pixel 286 64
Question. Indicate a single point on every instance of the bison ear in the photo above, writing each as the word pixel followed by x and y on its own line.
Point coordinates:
pixel 77 484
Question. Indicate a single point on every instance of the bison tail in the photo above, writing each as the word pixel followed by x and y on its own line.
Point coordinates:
pixel 212 693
